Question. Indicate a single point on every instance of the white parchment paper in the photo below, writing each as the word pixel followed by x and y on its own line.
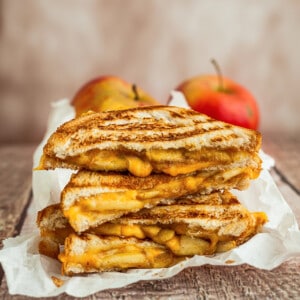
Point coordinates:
pixel 29 273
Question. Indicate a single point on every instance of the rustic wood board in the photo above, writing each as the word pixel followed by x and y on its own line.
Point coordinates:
pixel 15 179
pixel 207 282
pixel 285 148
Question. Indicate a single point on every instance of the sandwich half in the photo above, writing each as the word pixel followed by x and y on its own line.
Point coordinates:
pixel 92 198
pixel 144 140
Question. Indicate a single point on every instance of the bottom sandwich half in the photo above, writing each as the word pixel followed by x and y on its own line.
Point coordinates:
pixel 154 237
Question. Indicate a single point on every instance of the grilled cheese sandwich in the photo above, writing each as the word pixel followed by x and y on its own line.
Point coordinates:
pixel 143 140
pixel 92 198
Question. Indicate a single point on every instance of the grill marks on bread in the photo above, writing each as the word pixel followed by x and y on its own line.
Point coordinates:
pixel 159 127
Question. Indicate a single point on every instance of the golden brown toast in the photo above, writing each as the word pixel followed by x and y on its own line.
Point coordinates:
pixel 54 228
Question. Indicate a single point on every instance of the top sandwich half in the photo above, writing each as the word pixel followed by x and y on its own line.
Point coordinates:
pixel 160 139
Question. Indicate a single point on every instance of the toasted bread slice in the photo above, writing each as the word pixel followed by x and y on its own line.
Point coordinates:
pixel 143 140
pixel 54 228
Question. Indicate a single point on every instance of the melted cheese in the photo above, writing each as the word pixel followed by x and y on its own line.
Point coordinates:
pixel 170 161
pixel 90 211
pixel 179 243
pixel 94 254
pixel 138 167
pixel 177 169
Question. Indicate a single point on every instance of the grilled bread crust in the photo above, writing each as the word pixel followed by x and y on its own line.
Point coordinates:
pixel 160 127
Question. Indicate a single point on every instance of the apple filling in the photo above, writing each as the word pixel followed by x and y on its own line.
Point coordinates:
pixel 171 161
pixel 89 210
pixel 90 253
pixel 197 229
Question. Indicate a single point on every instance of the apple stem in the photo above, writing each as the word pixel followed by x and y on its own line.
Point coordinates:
pixel 219 73
pixel 136 94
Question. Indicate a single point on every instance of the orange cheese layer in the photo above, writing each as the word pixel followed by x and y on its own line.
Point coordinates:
pixel 102 207
pixel 97 254
pixel 170 161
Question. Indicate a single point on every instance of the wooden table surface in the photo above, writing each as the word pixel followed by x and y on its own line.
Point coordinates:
pixel 205 282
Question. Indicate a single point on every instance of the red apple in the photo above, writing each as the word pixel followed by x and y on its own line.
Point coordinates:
pixel 221 99
pixel 109 93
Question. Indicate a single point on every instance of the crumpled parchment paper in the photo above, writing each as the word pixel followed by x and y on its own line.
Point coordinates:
pixel 29 273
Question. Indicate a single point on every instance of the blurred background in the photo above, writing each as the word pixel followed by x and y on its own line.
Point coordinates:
pixel 49 49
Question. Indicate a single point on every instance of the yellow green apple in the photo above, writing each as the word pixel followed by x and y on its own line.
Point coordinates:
pixel 110 93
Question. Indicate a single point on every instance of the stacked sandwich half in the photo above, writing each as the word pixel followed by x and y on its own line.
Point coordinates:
pixel 152 187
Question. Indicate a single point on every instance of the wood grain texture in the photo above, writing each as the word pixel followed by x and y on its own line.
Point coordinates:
pixel 290 195
pixel 285 148
pixel 15 189
pixel 15 179
pixel 205 282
